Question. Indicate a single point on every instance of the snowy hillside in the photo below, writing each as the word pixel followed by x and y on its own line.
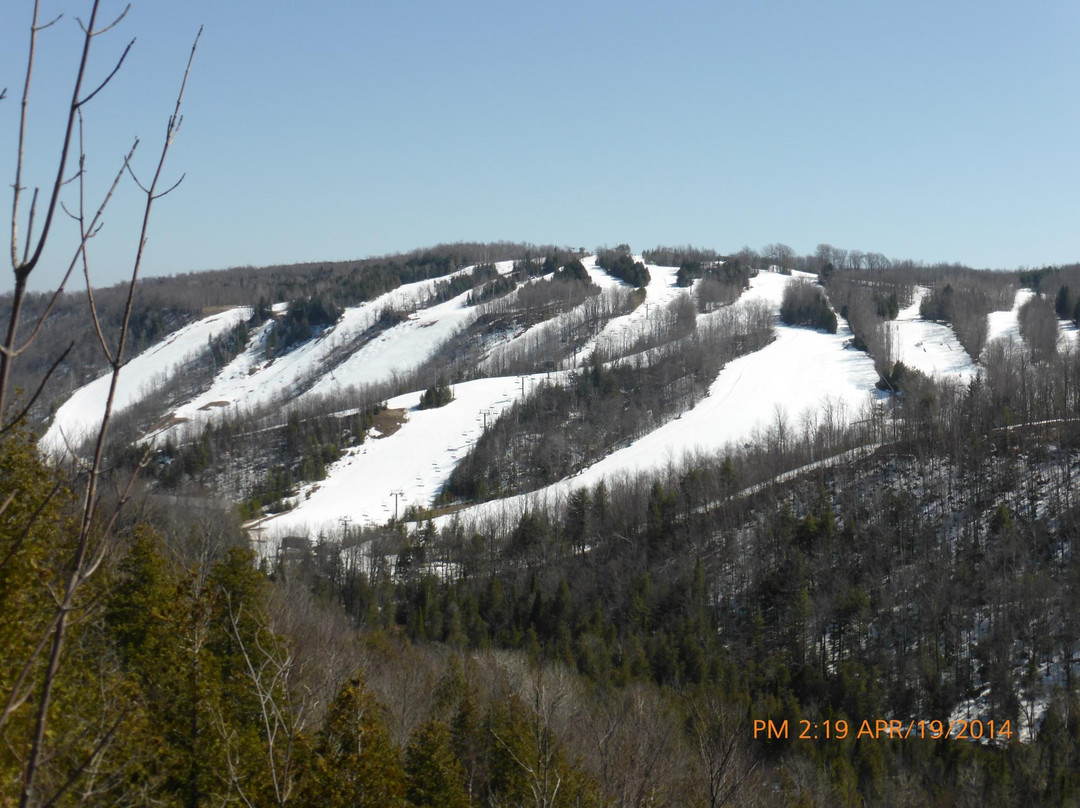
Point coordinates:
pixel 803 375
pixel 81 414
pixel 802 379
pixel 251 380
pixel 413 461
pixel 1006 324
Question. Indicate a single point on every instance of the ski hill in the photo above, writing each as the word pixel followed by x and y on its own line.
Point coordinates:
pixel 802 378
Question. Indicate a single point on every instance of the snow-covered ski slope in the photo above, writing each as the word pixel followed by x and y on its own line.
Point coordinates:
pixel 309 370
pixel 619 331
pixel 802 374
pixel 403 347
pixel 1006 324
pixel 929 347
pixel 413 461
pixel 531 335
pixel 80 416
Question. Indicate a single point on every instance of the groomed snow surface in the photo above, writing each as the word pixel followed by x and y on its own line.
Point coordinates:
pixel 801 374
pixel 414 461
pixel 1006 324
pixel 929 347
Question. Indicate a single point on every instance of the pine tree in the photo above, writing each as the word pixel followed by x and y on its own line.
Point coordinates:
pixel 435 776
pixel 356 763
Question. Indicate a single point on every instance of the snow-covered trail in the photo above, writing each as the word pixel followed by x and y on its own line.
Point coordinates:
pixel 415 461
pixel 1006 324
pixel 929 347
pixel 80 416
pixel 622 331
pixel 399 349
pixel 251 380
pixel 1067 335
pixel 505 347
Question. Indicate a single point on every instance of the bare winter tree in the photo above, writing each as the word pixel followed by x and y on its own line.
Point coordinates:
pixel 780 255
pixel 33 219
pixel 1039 327
pixel 726 759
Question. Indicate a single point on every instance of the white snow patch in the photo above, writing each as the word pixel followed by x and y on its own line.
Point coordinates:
pixel 1006 324
pixel 1067 335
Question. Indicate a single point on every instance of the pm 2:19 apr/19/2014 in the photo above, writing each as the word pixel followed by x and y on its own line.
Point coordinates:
pixel 873 729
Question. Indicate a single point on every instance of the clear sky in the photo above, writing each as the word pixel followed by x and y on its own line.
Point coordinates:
pixel 333 130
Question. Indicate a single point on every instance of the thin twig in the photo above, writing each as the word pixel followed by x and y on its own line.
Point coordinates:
pixel 51 22
pixel 80 568
pixel 174 186
pixel 109 77
pixel 131 173
pixel 41 386
pixel 111 25
pixel 30 224
pixel 87 233
pixel 99 747
pixel 4 507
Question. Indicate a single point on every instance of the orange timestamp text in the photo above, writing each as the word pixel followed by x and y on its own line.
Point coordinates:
pixel 929 729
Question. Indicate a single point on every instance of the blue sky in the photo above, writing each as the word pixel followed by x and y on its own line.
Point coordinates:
pixel 335 130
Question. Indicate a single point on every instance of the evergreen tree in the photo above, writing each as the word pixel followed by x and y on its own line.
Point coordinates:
pixel 356 764
pixel 435 777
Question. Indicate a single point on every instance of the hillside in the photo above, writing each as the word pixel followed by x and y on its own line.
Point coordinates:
pixel 740 492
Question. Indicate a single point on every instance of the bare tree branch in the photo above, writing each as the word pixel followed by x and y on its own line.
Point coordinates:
pixel 131 173
pixel 90 758
pixel 50 23
pixel 41 386
pixel 30 224
pixel 90 230
pixel 109 77
pixel 172 188
pixel 86 233
pixel 87 558
pixel 22 269
pixel 111 25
